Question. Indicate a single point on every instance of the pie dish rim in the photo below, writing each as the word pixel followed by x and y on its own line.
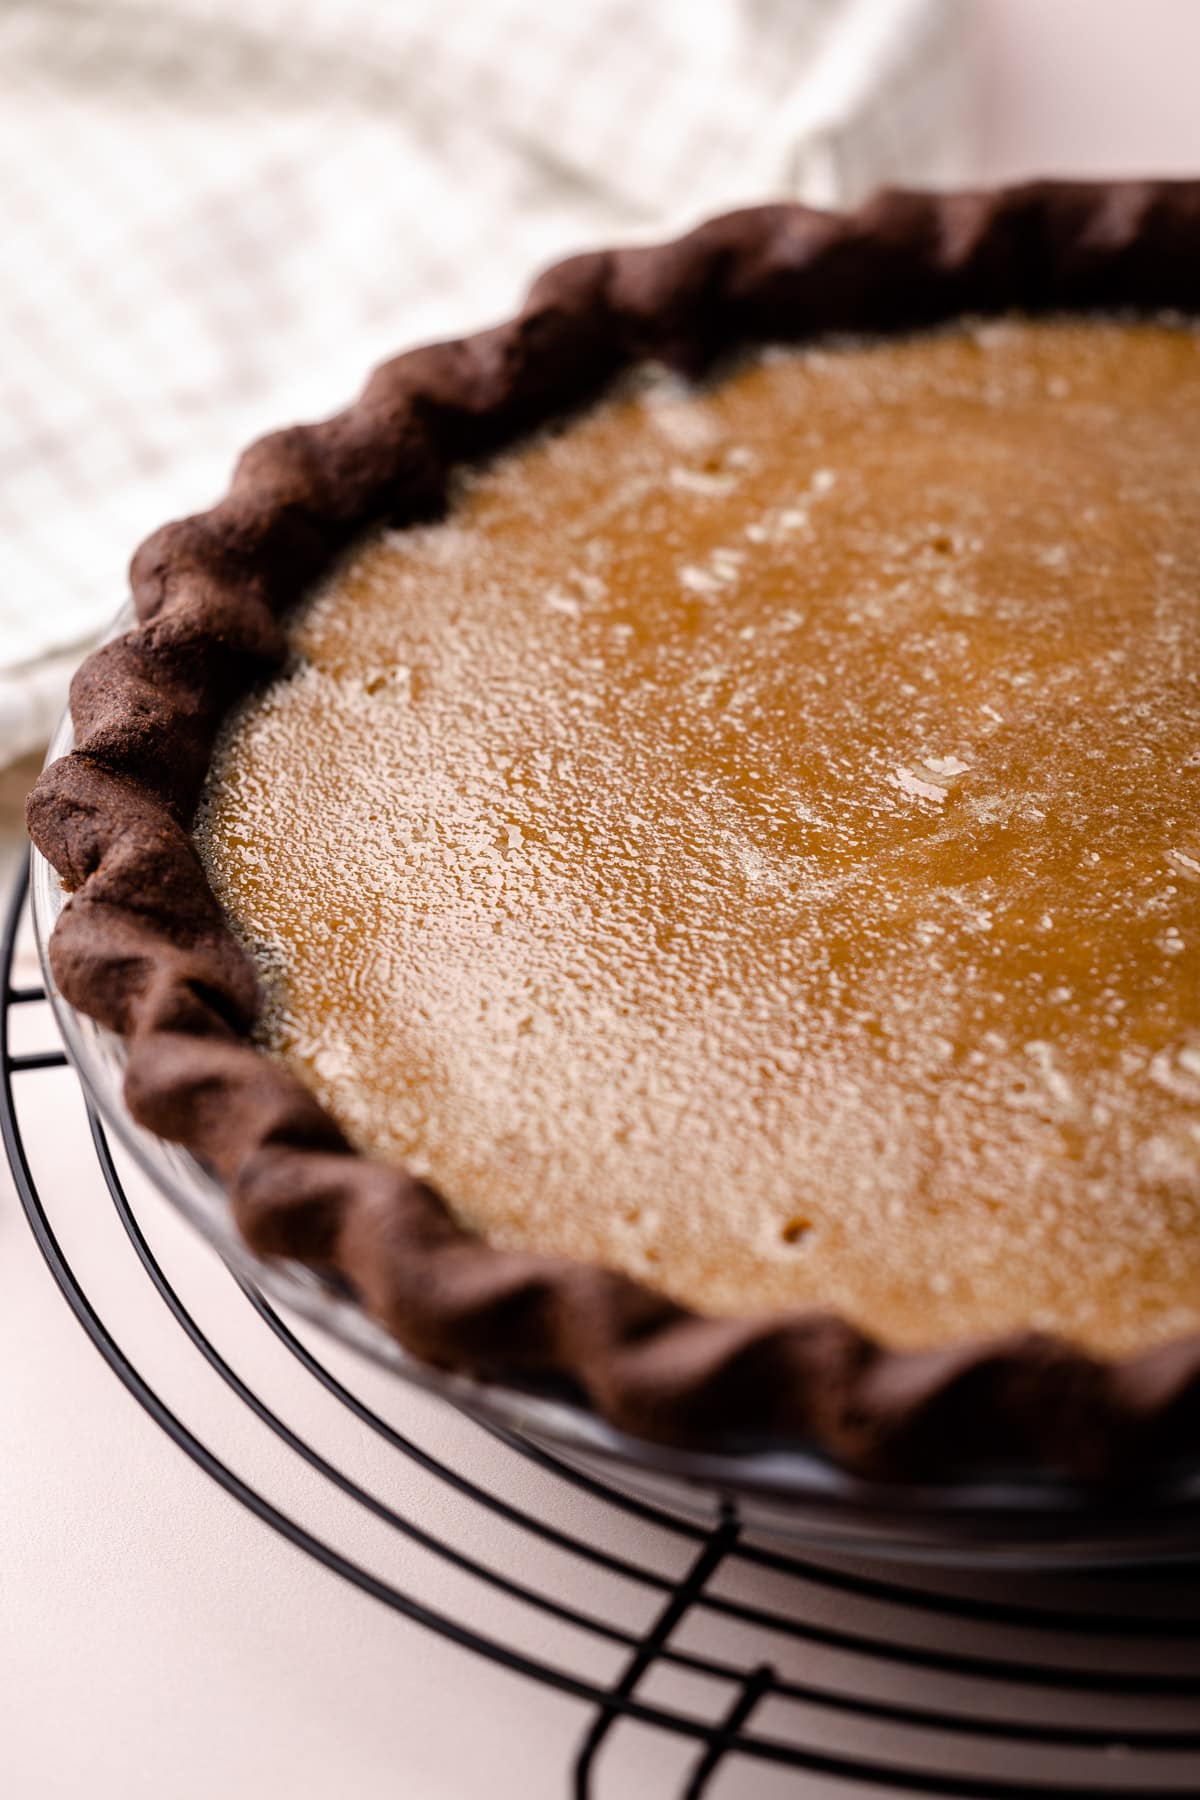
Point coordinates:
pixel 144 949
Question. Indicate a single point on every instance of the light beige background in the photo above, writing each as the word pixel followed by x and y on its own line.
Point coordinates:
pixel 154 1639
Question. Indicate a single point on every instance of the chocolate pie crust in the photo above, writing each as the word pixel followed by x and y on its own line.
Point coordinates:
pixel 144 948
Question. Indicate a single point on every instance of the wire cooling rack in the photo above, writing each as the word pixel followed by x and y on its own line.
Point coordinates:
pixel 830 1677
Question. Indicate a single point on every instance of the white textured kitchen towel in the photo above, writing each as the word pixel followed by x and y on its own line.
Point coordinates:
pixel 217 214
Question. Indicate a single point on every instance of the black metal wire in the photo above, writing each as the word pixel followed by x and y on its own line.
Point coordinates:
pixel 758 1682
pixel 686 1593
pixel 1087 1624
pixel 831 1699
pixel 680 1595
pixel 1029 1617
pixel 38 1059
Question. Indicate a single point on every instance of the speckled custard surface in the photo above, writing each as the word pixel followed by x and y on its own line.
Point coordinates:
pixel 754 840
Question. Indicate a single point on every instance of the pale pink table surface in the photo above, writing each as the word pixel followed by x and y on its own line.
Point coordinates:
pixel 156 1641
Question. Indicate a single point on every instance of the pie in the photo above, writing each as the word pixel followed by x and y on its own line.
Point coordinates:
pixel 663 845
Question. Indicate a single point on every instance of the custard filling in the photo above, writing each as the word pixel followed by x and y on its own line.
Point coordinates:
pixel 753 840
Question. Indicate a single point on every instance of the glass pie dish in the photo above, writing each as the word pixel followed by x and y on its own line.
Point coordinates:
pixel 1019 1517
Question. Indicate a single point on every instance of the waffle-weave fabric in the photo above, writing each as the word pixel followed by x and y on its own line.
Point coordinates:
pixel 217 213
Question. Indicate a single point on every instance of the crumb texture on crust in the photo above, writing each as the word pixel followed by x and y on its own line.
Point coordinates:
pixel 144 948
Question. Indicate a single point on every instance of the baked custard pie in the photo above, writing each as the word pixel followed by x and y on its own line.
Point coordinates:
pixel 701 790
